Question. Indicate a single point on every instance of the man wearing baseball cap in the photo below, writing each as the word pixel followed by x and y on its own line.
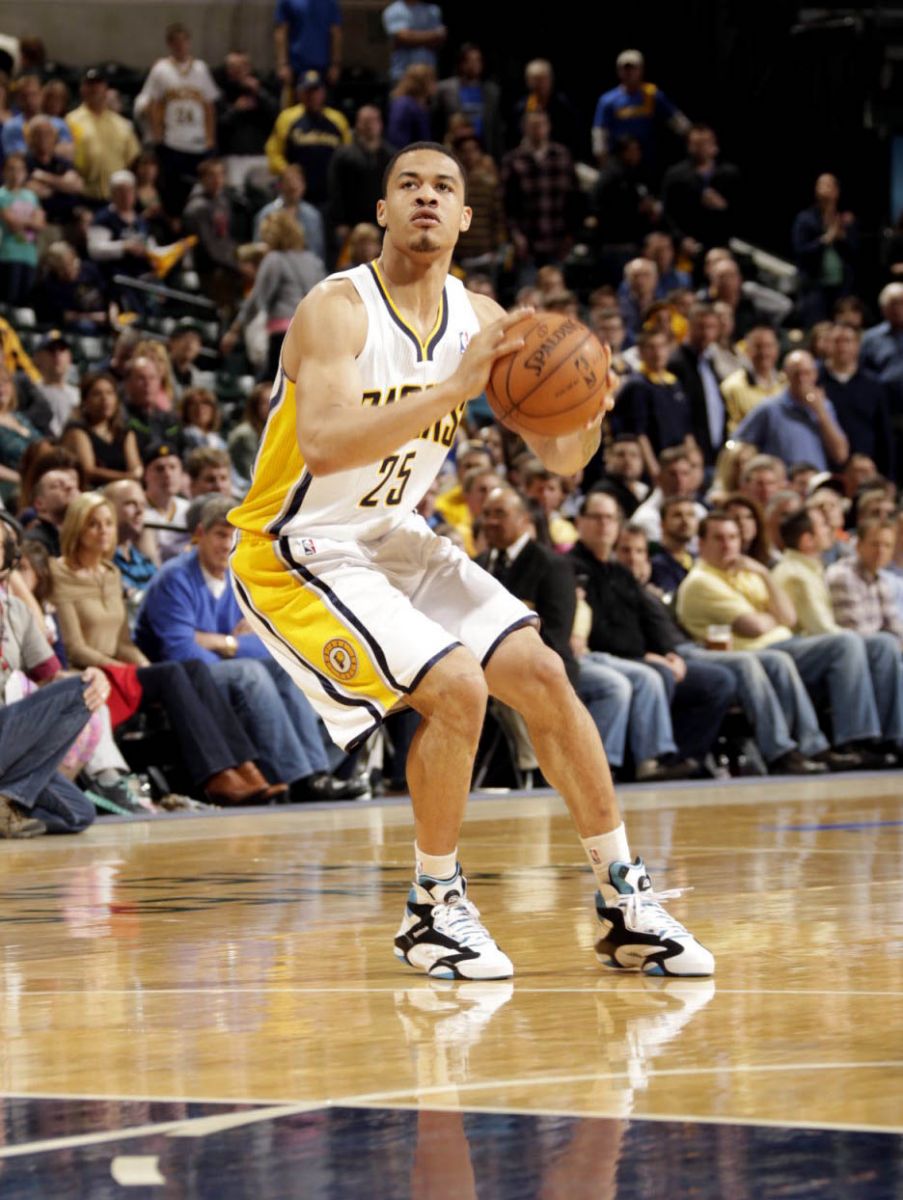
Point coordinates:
pixel 634 108
pixel 308 133
pixel 105 142
pixel 53 357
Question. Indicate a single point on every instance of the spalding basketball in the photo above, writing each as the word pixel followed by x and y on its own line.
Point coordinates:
pixel 556 383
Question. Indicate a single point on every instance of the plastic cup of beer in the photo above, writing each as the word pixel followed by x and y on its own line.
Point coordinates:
pixel 718 637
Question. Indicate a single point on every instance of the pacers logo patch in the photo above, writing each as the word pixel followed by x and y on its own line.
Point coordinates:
pixel 340 658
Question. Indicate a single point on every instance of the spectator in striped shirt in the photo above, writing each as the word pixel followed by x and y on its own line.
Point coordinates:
pixel 861 593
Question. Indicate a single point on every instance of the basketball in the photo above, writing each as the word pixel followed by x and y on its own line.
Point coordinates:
pixel 556 383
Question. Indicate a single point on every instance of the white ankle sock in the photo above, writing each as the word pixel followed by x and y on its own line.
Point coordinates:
pixel 437 866
pixel 606 848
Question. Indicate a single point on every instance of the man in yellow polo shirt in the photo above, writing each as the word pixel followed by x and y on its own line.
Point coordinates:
pixel 727 588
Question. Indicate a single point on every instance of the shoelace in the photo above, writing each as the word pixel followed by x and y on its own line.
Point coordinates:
pixel 461 919
pixel 645 914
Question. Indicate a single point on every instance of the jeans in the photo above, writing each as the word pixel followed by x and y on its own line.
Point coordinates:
pixel 277 715
pixel 837 662
pixel 698 704
pixel 35 734
pixel 649 729
pixel 886 669
pixel 773 697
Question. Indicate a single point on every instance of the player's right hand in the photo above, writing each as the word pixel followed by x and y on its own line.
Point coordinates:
pixel 492 342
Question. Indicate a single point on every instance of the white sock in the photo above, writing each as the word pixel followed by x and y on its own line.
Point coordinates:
pixel 604 849
pixel 437 866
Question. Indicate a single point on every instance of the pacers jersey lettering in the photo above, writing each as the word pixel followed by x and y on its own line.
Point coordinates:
pixel 285 500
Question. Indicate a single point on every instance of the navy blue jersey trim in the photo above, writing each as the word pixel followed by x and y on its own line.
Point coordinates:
pixel 531 620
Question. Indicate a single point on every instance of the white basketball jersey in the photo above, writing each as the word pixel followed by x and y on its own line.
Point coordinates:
pixel 363 503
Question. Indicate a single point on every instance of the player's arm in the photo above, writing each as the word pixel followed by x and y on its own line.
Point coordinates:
pixel 571 452
pixel 335 431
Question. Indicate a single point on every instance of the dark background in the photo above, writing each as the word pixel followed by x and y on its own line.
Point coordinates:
pixel 789 96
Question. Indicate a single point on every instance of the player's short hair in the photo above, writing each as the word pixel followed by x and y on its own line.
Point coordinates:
pixel 437 148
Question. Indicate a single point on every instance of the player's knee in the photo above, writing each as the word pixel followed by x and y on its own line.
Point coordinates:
pixel 454 691
pixel 545 679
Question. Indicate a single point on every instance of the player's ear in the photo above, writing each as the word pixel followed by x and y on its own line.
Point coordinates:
pixel 381 213
pixel 466 218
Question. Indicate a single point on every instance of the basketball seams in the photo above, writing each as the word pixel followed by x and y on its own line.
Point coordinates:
pixel 549 374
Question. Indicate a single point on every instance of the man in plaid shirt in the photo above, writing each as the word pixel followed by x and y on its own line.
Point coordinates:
pixel 541 194
pixel 862 597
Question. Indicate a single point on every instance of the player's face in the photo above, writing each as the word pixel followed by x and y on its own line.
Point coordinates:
pixel 424 211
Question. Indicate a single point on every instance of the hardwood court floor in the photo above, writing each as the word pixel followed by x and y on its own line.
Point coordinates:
pixel 248 958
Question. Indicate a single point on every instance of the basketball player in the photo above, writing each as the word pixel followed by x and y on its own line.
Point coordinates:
pixel 368 609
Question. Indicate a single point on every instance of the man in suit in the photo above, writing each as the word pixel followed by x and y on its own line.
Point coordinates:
pixel 622 706
pixel 692 364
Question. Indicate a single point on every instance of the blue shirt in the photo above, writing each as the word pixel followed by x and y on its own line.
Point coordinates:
pixel 419 17
pixel 13 135
pixel 881 350
pixel 309 39
pixel 787 430
pixel 633 114
pixel 177 604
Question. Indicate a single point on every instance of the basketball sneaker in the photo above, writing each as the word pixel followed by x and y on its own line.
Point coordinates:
pixel 442 935
pixel 638 934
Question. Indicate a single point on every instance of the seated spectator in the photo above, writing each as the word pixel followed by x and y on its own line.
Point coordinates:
pixel 627 635
pixel 800 422
pixel 21 219
pixel 800 477
pixel 881 349
pixel 16 432
pixel 136 556
pixel 702 195
pixel 409 107
pixel 208 215
pixel 622 472
pixel 167 509
pixel 658 247
pixel 726 588
pixel 244 440
pixel 860 401
pixel 245 112
pixel 119 239
pixel 52 494
pixel 826 248
pixel 51 176
pixel 541 96
pixel 208 471
pixel 861 594
pixel 288 272
pixel 54 360
pixel 693 362
pixel 748 387
pixel 783 504
pixel 87 591
pixel 672 561
pixel 675 478
pixel 184 345
pixel 38 731
pixel 873 499
pixel 98 437
pixel 451 504
pixel 477 485
pixel 549 491
pixel 726 287
pixel 834 508
pixel 727 355
pixel 201 420
pixel 148 201
pixel 652 404
pixel 858 470
pixel 145 404
pixel 637 292
pixel 190 613
pixel 105 142
pixel 292 186
pixel 308 133
pixel 761 478
pixel 755 540
pixel 732 458
pixel 27 96
pixel 72 293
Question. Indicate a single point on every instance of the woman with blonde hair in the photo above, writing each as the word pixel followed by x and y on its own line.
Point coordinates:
pixel 409 107
pixel 97 436
pixel 157 352
pixel 364 244
pixel 201 420
pixel 87 592
pixel 731 460
pixel 286 275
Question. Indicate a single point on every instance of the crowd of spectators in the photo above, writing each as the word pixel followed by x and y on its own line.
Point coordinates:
pixel 724 580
